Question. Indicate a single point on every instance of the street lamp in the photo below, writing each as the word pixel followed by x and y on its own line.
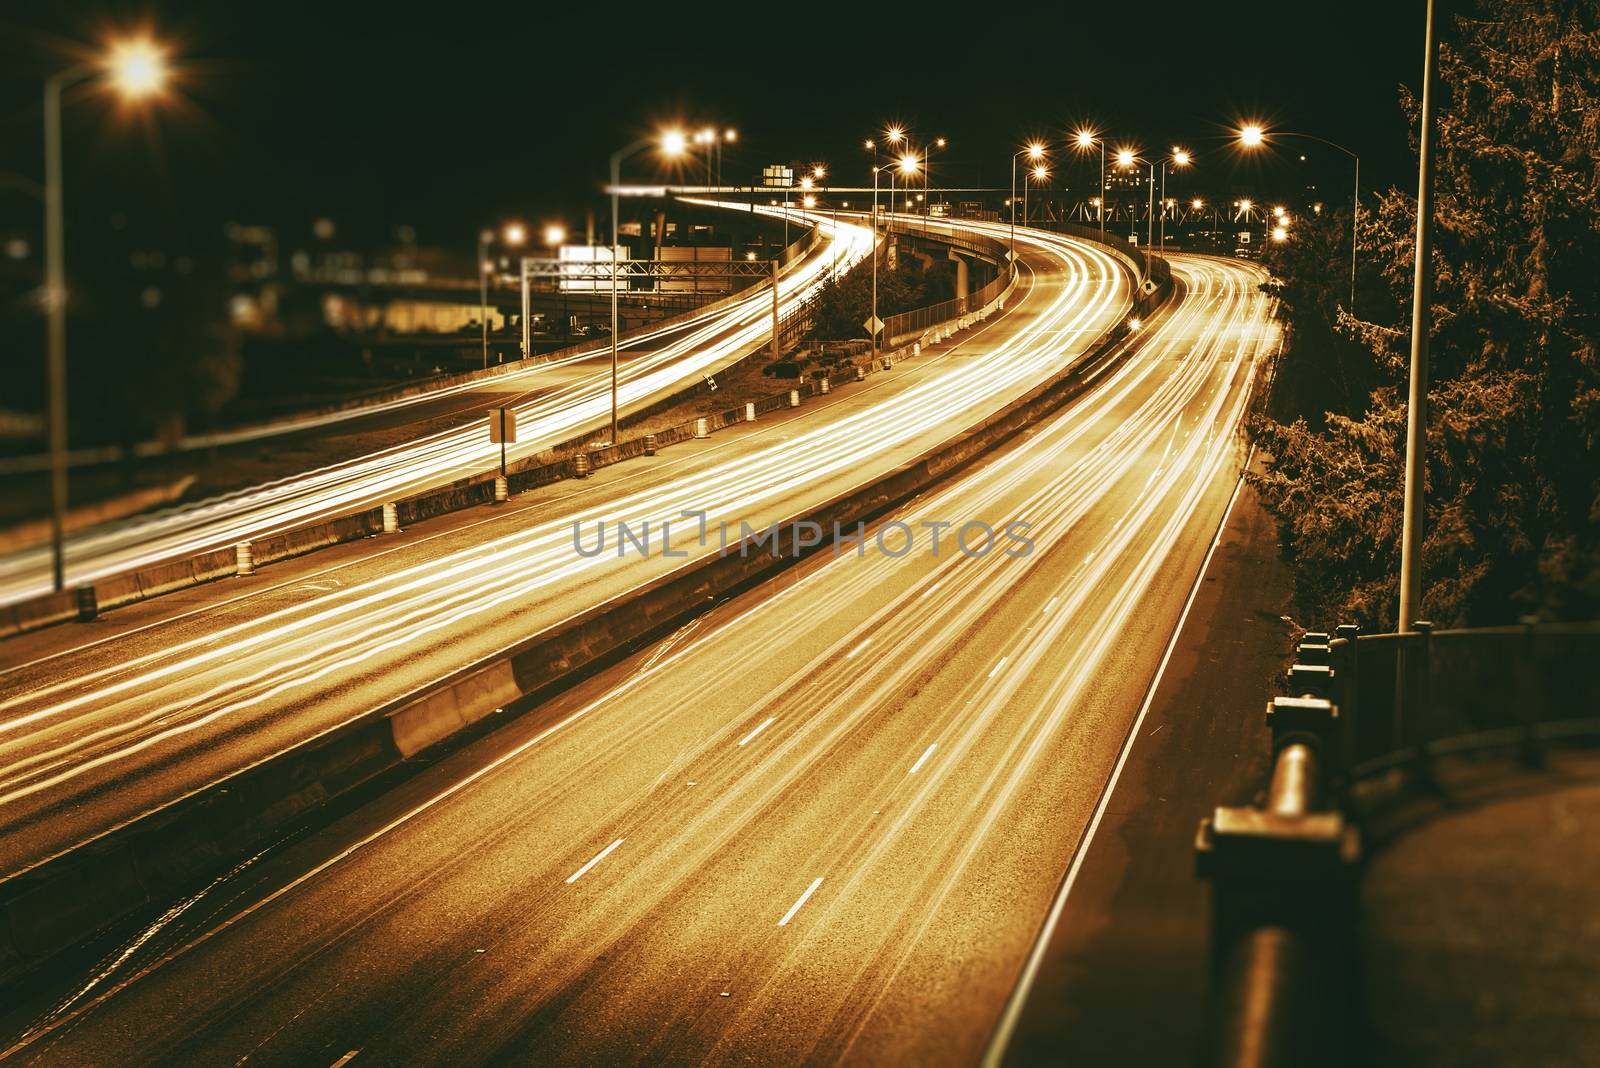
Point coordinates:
pixel 671 143
pixel 927 178
pixel 513 234
pixel 729 136
pixel 1127 159
pixel 1178 158
pixel 1414 515
pixel 906 166
pixel 1253 136
pixel 1086 139
pixel 555 235
pixel 1035 153
pixel 1038 174
pixel 135 69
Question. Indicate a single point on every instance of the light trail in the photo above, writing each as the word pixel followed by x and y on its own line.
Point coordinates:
pixel 436 459
pixel 904 853
pixel 147 699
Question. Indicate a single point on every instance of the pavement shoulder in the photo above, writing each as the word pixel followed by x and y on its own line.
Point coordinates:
pixel 1480 939
pixel 1124 977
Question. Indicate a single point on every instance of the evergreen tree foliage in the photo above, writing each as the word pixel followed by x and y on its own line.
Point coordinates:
pixel 1513 473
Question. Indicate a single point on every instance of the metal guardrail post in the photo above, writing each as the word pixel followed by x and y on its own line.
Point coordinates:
pixel 1283 906
pixel 88 604
pixel 1417 651
pixel 1530 709
pixel 1347 664
pixel 1314 680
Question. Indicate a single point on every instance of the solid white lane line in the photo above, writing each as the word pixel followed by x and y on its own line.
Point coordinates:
pixel 996 669
pixel 787 916
pixel 1001 1038
pixel 764 725
pixel 926 753
pixel 597 858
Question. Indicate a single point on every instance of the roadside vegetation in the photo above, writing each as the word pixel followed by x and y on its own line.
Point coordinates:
pixel 1513 473
pixel 844 304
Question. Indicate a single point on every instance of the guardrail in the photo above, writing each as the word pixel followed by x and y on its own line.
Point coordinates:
pixel 1361 707
pixel 1153 290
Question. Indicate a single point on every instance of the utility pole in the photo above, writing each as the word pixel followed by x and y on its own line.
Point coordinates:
pixel 1421 320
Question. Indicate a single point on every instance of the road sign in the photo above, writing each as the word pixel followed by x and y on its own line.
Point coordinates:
pixel 502 426
pixel 873 324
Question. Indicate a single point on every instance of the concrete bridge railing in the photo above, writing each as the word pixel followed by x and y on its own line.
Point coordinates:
pixel 906 325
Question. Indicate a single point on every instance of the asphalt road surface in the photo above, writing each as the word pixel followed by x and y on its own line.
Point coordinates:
pixel 555 401
pixel 97 732
pixel 821 823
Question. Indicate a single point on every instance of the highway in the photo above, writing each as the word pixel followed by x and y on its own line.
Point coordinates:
pixel 554 401
pixel 821 823
pixel 97 731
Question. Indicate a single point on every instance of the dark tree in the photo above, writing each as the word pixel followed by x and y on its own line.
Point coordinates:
pixel 1513 480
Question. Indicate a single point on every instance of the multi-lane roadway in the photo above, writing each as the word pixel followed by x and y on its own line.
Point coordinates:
pixel 553 401
pixel 99 730
pixel 823 822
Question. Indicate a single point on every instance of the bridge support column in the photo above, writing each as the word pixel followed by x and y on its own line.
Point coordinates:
pixel 963 275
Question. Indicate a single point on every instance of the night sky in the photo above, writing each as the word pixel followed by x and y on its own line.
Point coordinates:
pixel 453 115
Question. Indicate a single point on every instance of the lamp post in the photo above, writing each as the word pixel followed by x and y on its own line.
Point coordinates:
pixel 729 136
pixel 1178 158
pixel 1087 139
pixel 1038 174
pixel 513 234
pixel 135 69
pixel 1126 159
pixel 1411 532
pixel 672 144
pixel 1253 136
pixel 555 235
pixel 1034 152
pixel 872 146
pixel 927 180
pixel 874 332
pixel 907 166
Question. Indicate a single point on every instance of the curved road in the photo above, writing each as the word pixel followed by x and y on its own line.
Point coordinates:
pixel 99 733
pixel 822 823
pixel 579 396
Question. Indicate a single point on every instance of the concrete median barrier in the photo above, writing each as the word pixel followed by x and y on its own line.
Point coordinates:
pixel 38 612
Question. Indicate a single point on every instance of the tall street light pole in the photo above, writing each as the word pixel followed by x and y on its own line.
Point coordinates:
pixel 484 237
pixel 135 69
pixel 874 332
pixel 1087 139
pixel 1126 159
pixel 555 235
pixel 672 144
pixel 1421 322
pixel 1252 136
pixel 927 181
pixel 1034 152
pixel 1178 158
pixel 1038 173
